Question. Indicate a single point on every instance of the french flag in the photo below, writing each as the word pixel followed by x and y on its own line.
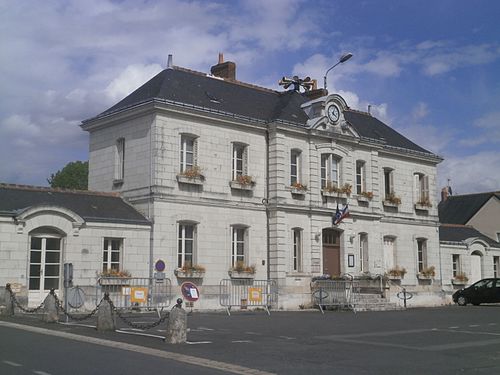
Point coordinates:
pixel 340 214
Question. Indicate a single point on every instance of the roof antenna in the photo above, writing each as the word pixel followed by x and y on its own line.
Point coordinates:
pixel 170 64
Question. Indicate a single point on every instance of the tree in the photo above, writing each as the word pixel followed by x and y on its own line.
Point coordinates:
pixel 74 175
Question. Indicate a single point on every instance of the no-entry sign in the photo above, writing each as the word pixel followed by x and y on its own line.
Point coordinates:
pixel 190 291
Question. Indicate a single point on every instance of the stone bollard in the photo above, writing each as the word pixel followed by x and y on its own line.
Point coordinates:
pixel 50 310
pixel 6 303
pixel 105 316
pixel 177 325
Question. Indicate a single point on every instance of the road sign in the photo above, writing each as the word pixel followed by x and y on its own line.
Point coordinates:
pixel 160 265
pixel 190 291
pixel 139 295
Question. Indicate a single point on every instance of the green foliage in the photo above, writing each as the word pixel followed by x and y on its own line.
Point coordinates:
pixel 74 175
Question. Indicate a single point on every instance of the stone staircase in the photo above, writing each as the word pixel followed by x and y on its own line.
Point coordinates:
pixel 374 302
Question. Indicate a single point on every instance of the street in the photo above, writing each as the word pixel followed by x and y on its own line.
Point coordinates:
pixel 447 340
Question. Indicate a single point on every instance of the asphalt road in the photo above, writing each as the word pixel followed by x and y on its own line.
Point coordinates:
pixel 448 340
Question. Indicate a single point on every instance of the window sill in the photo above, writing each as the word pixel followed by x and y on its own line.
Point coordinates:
pixel 424 277
pixel 114 281
pixel 241 275
pixel 118 182
pixel 361 198
pixel 296 191
pixel 394 278
pixel 333 194
pixel 198 180
pixel 421 207
pixel 189 274
pixel 458 282
pixel 390 204
pixel 239 186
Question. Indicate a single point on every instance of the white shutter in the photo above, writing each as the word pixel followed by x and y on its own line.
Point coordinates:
pixel 245 161
pixel 425 191
pixel 416 188
pixel 391 182
pixel 195 152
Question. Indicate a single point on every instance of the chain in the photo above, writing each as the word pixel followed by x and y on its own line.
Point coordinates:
pixel 75 317
pixel 16 302
pixel 135 325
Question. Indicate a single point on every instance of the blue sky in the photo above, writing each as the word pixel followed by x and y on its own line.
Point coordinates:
pixel 429 69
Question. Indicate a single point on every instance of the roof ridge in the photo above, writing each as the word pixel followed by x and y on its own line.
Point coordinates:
pixel 468 194
pixel 229 80
pixel 456 225
pixel 57 190
pixel 359 111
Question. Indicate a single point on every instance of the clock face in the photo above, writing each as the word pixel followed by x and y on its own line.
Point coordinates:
pixel 333 113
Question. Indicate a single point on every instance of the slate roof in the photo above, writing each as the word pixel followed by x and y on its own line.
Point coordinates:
pixel 197 90
pixel 458 233
pixel 91 206
pixel 459 209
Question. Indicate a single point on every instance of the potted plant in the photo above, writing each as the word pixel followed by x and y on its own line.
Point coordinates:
pixel 460 279
pixel 427 273
pixel 332 189
pixel 189 270
pixel 365 196
pixel 242 271
pixel 396 273
pixel 298 188
pixel 423 204
pixel 191 175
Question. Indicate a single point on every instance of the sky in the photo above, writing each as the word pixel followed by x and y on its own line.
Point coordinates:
pixel 429 69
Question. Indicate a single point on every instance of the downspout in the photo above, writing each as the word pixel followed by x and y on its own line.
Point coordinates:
pixel 265 202
pixel 150 208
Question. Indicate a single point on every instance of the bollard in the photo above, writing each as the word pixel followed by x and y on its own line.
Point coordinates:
pixel 105 317
pixel 177 325
pixel 50 310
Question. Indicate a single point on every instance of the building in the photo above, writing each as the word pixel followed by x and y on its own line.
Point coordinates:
pixel 41 229
pixel 235 177
pixel 470 236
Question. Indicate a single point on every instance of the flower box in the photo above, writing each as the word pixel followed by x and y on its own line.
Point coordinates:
pixel 394 277
pixel 422 276
pixel 458 282
pixel 114 281
pixel 390 204
pixel 361 198
pixel 421 207
pixel 240 275
pixel 333 194
pixel 195 180
pixel 297 191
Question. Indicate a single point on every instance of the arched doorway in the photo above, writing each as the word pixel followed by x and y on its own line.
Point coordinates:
pixel 45 255
pixel 331 252
pixel 475 267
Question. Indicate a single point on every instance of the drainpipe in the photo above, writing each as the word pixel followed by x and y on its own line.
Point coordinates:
pixel 265 202
pixel 150 209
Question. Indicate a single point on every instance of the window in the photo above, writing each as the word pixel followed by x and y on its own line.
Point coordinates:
pixel 295 167
pixel 188 154
pixel 421 189
pixel 360 177
pixel 455 258
pixel 186 244
pixel 297 250
pixel 363 252
pixel 238 245
pixel 496 266
pixel 112 254
pixel 329 171
pixel 421 254
pixel 240 160
pixel 388 182
pixel 120 159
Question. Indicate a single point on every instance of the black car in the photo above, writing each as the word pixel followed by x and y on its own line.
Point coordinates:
pixel 483 291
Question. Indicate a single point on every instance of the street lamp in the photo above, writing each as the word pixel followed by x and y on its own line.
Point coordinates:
pixel 343 59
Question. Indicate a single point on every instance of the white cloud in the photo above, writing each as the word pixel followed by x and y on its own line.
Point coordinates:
pixel 130 79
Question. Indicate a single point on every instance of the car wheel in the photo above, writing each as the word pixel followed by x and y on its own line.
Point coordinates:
pixel 462 301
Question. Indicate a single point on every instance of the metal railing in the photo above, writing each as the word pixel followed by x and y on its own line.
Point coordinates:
pixel 135 292
pixel 335 293
pixel 245 293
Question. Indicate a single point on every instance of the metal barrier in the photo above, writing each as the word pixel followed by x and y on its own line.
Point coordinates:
pixel 135 292
pixel 335 293
pixel 247 293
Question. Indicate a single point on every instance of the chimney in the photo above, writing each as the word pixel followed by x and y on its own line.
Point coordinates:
pixel 170 64
pixel 445 193
pixel 226 70
pixel 370 109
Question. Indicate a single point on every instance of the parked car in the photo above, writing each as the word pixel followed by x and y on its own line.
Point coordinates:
pixel 483 291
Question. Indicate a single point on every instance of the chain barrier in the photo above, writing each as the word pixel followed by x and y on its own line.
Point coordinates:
pixel 75 317
pixel 131 324
pixel 18 305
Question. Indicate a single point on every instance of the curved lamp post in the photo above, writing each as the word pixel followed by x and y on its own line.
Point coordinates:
pixel 343 59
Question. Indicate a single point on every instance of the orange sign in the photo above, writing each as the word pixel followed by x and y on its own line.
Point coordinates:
pixel 138 295
pixel 255 294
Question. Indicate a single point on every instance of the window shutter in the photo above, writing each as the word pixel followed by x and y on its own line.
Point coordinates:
pixel 425 192
pixel 245 161
pixel 416 188
pixel 195 152
pixel 391 182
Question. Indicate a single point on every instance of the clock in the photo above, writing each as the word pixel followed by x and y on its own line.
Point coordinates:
pixel 333 113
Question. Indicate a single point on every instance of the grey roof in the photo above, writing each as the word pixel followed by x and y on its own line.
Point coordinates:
pixel 458 233
pixel 234 98
pixel 91 206
pixel 459 209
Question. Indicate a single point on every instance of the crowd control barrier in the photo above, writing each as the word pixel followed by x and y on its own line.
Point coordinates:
pixel 335 293
pixel 136 292
pixel 248 293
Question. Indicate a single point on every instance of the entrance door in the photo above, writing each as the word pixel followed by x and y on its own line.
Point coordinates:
pixel 331 252
pixel 44 270
pixel 475 268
